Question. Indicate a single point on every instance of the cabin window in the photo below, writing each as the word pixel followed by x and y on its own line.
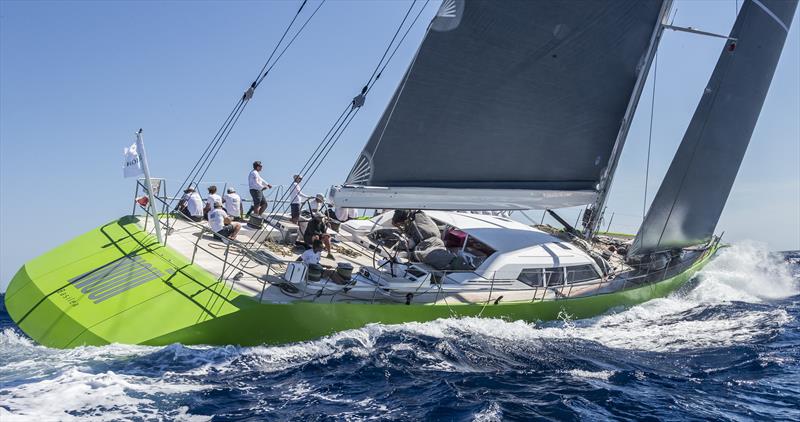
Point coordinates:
pixel 554 276
pixel 533 277
pixel 580 273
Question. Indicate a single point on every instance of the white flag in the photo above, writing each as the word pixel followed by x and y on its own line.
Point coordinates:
pixel 133 165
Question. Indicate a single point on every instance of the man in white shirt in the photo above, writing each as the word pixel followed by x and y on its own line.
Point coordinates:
pixel 297 197
pixel 313 255
pixel 257 186
pixel 233 204
pixel 345 214
pixel 211 199
pixel 221 224
pixel 191 204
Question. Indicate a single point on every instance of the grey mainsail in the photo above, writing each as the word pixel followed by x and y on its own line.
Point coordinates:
pixel 518 95
pixel 687 207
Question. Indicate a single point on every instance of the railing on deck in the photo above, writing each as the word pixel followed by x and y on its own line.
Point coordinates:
pixel 632 275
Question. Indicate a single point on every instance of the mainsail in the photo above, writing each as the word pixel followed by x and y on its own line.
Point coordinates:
pixel 520 100
pixel 687 207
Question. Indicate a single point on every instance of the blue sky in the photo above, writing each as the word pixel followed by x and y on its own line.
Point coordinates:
pixel 78 78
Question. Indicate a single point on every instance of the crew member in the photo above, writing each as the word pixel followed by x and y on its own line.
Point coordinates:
pixel 345 214
pixel 297 197
pixel 233 204
pixel 257 186
pixel 191 205
pixel 211 199
pixel 221 223
pixel 317 229
pixel 313 255
pixel 425 242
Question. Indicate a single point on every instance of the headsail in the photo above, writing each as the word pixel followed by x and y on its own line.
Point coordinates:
pixel 689 202
pixel 515 96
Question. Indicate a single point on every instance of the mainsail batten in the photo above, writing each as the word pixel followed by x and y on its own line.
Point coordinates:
pixel 523 95
pixel 689 202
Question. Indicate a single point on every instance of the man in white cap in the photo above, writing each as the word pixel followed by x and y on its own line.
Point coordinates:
pixel 191 204
pixel 233 204
pixel 257 186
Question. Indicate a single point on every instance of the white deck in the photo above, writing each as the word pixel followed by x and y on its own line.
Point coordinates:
pixel 208 253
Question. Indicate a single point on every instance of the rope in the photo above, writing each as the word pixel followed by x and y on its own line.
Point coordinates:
pixel 650 136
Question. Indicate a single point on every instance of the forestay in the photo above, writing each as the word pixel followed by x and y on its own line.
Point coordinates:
pixel 512 96
pixel 689 202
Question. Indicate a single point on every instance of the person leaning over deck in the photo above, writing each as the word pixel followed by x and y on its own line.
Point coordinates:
pixel 317 229
pixel 221 224
pixel 211 199
pixel 416 226
pixel 313 255
pixel 191 205
pixel 297 197
pixel 233 204
pixel 257 187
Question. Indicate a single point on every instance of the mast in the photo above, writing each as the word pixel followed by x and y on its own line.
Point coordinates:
pixel 598 207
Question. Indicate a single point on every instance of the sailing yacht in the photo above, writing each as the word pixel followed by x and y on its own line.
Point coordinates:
pixel 506 106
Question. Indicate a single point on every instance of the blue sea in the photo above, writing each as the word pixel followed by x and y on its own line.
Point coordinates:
pixel 726 347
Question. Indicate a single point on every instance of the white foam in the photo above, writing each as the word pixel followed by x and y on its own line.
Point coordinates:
pixel 600 375
pixel 491 413
pixel 745 272
pixel 102 396
pixel 742 272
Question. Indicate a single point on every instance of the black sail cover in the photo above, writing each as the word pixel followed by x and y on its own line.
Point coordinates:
pixel 687 207
pixel 515 94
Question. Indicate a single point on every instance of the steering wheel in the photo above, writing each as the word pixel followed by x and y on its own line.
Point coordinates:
pixel 393 251
pixel 308 210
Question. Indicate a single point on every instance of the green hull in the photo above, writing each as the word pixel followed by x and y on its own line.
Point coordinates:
pixel 181 303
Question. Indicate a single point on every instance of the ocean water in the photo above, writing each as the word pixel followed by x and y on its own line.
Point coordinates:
pixel 727 347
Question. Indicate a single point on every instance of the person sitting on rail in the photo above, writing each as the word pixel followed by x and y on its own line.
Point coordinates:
pixel 233 204
pixel 313 255
pixel 297 197
pixel 317 229
pixel 221 224
pixel 191 205
pixel 211 199
pixel 257 187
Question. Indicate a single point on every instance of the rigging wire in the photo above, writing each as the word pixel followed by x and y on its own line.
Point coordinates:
pixel 219 138
pixel 345 118
pixel 370 82
pixel 650 136
pixel 249 93
pixel 324 148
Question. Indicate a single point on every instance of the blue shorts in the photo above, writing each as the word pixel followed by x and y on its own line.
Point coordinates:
pixel 295 211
